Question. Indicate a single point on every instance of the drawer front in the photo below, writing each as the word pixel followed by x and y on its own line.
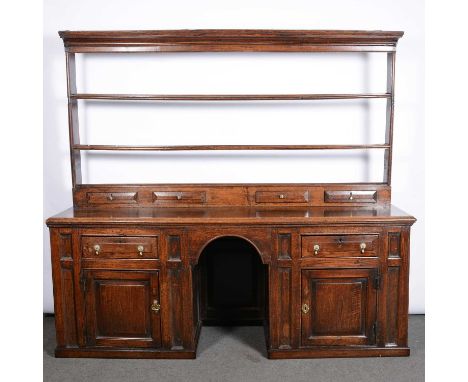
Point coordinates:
pixel 340 245
pixel 181 197
pixel 117 247
pixel 112 197
pixel 281 196
pixel 350 196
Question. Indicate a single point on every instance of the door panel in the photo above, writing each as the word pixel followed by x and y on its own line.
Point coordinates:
pixel 122 308
pixel 339 306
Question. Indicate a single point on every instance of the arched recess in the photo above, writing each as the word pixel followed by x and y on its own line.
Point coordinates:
pixel 231 280
pixel 256 244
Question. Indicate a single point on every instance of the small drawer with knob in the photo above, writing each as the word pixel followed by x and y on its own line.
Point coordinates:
pixel 179 197
pixel 340 245
pixel 347 196
pixel 112 197
pixel 281 197
pixel 119 247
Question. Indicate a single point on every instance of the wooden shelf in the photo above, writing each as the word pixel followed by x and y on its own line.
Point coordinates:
pixel 227 147
pixel 225 97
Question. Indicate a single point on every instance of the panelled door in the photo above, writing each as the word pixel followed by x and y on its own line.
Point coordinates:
pixel 122 308
pixel 339 306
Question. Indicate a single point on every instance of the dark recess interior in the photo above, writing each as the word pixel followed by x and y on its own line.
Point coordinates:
pixel 232 283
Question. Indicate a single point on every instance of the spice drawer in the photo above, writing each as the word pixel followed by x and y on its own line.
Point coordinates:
pixel 333 196
pixel 120 247
pixel 340 245
pixel 281 196
pixel 179 197
pixel 112 197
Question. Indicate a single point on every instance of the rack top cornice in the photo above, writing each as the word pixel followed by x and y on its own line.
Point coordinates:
pixel 211 40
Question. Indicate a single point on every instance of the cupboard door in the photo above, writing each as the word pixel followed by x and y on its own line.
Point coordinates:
pixel 339 306
pixel 122 309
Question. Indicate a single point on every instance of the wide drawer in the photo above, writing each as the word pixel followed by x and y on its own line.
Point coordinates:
pixel 340 245
pixel 282 196
pixel 120 247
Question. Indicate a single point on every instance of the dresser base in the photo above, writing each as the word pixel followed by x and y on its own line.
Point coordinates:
pixel 325 289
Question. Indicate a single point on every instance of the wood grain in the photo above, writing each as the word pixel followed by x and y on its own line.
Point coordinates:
pixel 229 40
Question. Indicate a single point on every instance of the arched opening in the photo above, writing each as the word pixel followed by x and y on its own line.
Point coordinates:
pixel 232 283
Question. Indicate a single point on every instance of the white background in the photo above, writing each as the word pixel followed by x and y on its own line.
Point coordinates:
pixel 303 124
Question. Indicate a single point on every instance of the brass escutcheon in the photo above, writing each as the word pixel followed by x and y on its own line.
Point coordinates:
pixel 155 307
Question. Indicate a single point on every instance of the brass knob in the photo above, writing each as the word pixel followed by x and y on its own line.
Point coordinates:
pixel 97 249
pixel 305 308
pixel 316 249
pixel 363 247
pixel 155 307
pixel 350 196
pixel 281 196
pixel 179 197
pixel 140 250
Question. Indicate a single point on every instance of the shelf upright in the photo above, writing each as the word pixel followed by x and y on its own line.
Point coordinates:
pixel 389 117
pixel 73 122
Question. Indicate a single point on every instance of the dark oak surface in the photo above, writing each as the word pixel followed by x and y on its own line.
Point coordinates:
pixel 232 215
pixel 221 195
pixel 239 35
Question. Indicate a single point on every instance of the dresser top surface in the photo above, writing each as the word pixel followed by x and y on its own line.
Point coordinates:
pixel 234 215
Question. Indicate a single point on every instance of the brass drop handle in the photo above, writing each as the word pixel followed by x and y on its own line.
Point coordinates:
pixel 281 196
pixel 140 250
pixel 155 307
pixel 110 197
pixel 305 308
pixel 351 196
pixel 316 249
pixel 97 249
pixel 179 197
pixel 363 247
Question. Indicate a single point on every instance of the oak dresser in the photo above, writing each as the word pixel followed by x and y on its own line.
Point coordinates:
pixel 139 268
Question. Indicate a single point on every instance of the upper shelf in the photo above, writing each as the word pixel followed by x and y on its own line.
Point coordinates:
pixel 225 97
pixel 230 40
